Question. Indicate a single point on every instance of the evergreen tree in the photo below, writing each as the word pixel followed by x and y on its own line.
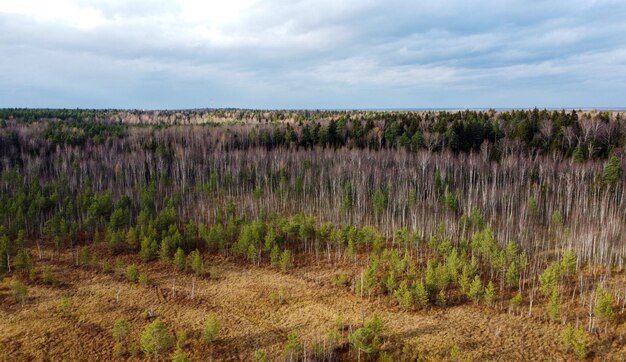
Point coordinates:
pixel 156 339
pixel 475 290
pixel 612 171
pixel 211 328
pixel 490 293
pixel 179 259
pixel 554 305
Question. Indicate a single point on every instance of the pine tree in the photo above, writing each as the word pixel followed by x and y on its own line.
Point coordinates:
pixel 293 347
pixel 420 295
pixel 196 262
pixel 554 305
pixel 403 296
pixel 568 262
pixel 490 293
pixel 211 328
pixel 612 171
pixel 179 259
pixel 512 275
pixel 156 339
pixel 603 308
pixel 476 290
pixel 285 261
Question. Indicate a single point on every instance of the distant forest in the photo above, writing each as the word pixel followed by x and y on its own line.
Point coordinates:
pixel 564 134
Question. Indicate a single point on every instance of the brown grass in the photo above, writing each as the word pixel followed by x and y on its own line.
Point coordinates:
pixel 240 296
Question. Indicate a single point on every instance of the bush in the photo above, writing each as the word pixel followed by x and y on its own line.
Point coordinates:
pixel 23 262
pixel 341 280
pixel 554 305
pixel 576 340
pixel 143 279
pixel 119 350
pixel 84 257
pixel 211 328
pixel 603 308
pixel 368 339
pixel 47 276
pixel 196 262
pixel 121 330
pixel 278 297
pixel 179 259
pixel 475 290
pixel 65 307
pixel 156 339
pixel 179 356
pixel 293 347
pixel 490 293
pixel 260 356
pixel 20 292
pixel 106 267
pixel 132 273
pixel 285 261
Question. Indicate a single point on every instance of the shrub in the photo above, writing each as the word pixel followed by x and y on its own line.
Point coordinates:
pixel 156 339
pixel 475 290
pixel 576 340
pixel 84 257
pixel 23 262
pixel 121 330
pixel 47 276
pixel 548 278
pixel 554 305
pixel 490 293
pixel 420 295
pixel 368 339
pixel 341 280
pixel 603 308
pixel 211 328
pixel 20 292
pixel 119 350
pixel 278 296
pixel 65 307
pixel 196 262
pixel 403 296
pixel 179 259
pixel 143 279
pixel 568 262
pixel 293 347
pixel 179 356
pixel 285 261
pixel 132 273
pixel 260 356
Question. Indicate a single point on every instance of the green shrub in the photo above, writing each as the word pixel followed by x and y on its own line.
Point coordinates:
pixel 211 328
pixel 121 330
pixel 20 292
pixel 369 338
pixel 132 273
pixel 156 339
pixel 47 276
pixel 293 347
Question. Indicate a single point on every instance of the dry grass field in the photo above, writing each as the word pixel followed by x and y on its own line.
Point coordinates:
pixel 241 296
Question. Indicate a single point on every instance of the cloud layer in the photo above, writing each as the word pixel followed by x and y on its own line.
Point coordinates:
pixel 312 54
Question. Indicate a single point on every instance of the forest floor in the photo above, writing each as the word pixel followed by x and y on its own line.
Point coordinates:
pixel 241 298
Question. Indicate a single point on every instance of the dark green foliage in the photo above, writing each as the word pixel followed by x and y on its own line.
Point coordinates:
pixel 612 171
pixel 369 338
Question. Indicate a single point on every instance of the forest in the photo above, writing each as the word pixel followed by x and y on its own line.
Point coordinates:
pixel 215 233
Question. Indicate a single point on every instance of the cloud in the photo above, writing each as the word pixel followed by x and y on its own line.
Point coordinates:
pixel 313 54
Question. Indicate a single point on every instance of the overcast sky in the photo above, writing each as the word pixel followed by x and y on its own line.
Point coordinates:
pixel 312 54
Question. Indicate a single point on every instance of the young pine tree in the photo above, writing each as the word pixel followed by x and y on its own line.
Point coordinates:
pixel 211 328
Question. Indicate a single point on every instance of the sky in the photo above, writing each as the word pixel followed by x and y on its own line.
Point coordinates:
pixel 333 54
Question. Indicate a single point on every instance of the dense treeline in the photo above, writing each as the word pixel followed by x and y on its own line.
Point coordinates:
pixel 576 134
pixel 432 208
